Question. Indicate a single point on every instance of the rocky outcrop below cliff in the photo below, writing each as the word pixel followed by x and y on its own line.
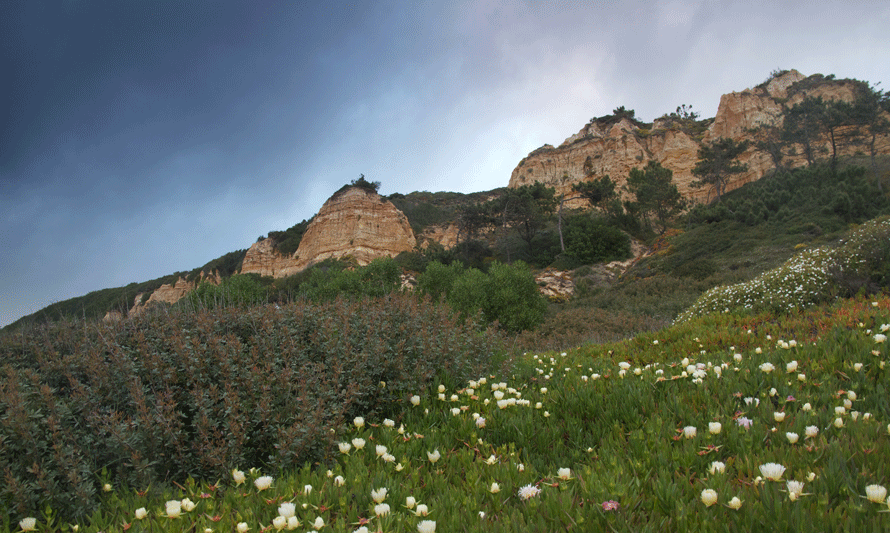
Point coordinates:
pixel 169 293
pixel 355 222
pixel 614 149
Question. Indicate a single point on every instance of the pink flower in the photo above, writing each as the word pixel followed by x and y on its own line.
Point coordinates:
pixel 745 422
pixel 610 505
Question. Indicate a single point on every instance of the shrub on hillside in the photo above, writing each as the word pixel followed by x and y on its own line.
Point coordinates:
pixel 507 293
pixel 860 262
pixel 171 395
pixel 593 241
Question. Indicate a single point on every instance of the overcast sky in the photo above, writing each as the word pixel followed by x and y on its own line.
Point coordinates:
pixel 140 138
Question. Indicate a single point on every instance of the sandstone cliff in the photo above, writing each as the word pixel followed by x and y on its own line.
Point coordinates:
pixel 614 149
pixel 354 222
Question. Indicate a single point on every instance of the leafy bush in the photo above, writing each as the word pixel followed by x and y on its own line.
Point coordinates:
pixel 507 293
pixel 175 395
pixel 591 240
pixel 241 290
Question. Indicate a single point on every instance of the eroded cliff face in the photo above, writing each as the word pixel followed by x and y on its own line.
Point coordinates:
pixel 355 223
pixel 615 149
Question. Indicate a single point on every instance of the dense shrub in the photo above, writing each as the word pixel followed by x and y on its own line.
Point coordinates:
pixel 593 241
pixel 239 290
pixel 178 394
pixel 507 293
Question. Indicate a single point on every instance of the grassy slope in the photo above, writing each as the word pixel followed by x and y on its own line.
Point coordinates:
pixel 625 437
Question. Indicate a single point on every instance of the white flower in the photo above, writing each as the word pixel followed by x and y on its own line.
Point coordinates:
pixel 528 491
pixel 857 367
pixel 714 428
pixel 811 431
pixel 689 432
pixel 772 471
pixel 737 357
pixel 480 422
pixel 293 523
pixel 263 483
pixel 521 467
pixel 242 527
pixel 624 365
pixel 415 400
pixel 279 522
pixel 389 423
pixel 238 476
pixel 717 467
pixel 318 524
pixel 141 513
pixel 795 489
pixel 735 503
pixel 28 524
pixel 359 422
pixel 806 407
pixel 564 474
pixel 838 423
pixel 491 460
pixel 791 367
pixel 381 450
pixel 441 388
pixel 802 377
pixel 344 447
pixel 876 493
pixel 339 481
pixel 410 502
pixel 778 416
pixel 378 495
pixel 851 395
pixel 792 437
pixel 767 367
pixel 381 509
pixel 709 497
pixel 358 443
pixel 422 510
pixel 426 526
pixel 307 490
pixel 287 509
pixel 495 488
pixel 173 508
pixel 434 456
pixel 880 338
pixel 187 505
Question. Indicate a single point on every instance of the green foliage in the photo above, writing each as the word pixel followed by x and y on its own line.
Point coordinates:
pixel 361 182
pixel 378 278
pixel 507 293
pixel 591 240
pixel 287 241
pixel 171 396
pixel 716 164
pixel 656 195
pixel 242 290
pixel 811 277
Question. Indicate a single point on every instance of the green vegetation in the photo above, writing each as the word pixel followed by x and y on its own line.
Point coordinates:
pixel 212 420
pixel 506 293
pixel 733 380
pixel 169 396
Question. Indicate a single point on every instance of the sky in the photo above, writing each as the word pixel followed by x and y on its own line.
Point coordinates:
pixel 138 139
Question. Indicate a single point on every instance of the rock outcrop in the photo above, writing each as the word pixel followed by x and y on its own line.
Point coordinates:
pixel 614 149
pixel 355 222
pixel 171 293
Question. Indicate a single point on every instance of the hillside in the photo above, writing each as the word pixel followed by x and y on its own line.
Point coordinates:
pixel 782 124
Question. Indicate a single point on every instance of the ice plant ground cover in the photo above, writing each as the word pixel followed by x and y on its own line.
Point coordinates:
pixel 598 438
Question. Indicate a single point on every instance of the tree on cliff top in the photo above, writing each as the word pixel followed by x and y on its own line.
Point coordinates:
pixel 371 186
